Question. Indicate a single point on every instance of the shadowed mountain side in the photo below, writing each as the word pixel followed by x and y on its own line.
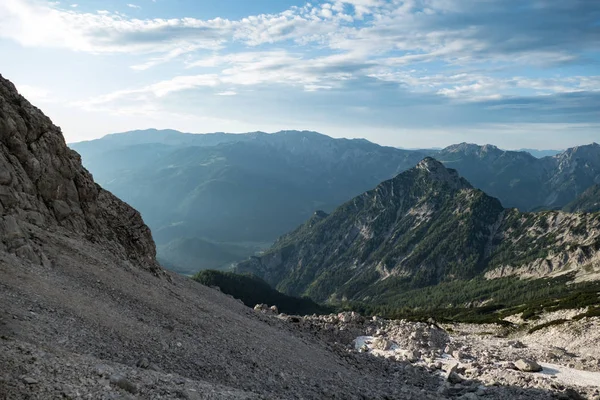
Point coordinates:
pixel 588 201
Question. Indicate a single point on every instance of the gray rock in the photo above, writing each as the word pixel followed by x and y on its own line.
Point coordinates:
pixel 382 344
pixel 515 344
pixel 143 363
pixel 452 376
pixel 122 382
pixel 29 380
pixel 527 365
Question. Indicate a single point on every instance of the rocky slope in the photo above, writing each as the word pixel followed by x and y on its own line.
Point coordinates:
pixel 476 361
pixel 425 226
pixel 85 311
pixel 588 201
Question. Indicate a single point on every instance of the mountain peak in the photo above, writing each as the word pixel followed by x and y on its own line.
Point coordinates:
pixel 430 163
pixel 473 149
pixel 438 172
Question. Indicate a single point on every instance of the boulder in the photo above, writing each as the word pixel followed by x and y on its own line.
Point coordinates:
pixel 515 344
pixel 381 343
pixel 527 365
pixel 412 355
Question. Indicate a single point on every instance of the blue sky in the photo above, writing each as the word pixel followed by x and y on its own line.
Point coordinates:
pixel 414 73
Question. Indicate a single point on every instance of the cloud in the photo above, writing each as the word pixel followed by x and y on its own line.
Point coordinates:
pixel 134 6
pixel 389 61
pixel 540 32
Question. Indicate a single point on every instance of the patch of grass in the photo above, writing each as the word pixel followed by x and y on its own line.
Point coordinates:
pixel 253 290
pixel 592 312
pixel 548 324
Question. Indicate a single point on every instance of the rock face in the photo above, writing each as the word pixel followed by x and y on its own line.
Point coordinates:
pixel 44 186
pixel 425 226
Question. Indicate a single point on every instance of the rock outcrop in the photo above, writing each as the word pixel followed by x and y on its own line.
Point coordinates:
pixel 43 185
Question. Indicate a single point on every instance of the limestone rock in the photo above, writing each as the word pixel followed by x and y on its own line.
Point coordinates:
pixel 526 365
pixel 43 185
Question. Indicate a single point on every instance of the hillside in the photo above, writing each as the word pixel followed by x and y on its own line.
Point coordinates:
pixel 424 227
pixel 252 291
pixel 588 201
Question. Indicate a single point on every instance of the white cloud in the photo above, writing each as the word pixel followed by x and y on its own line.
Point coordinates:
pixel 448 51
pixel 227 93
pixel 134 6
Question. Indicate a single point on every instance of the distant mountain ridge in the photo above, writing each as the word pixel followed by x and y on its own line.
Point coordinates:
pixel 425 226
pixel 541 153
pixel 521 180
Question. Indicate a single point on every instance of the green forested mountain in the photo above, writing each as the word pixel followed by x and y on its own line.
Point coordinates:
pixel 252 290
pixel 424 227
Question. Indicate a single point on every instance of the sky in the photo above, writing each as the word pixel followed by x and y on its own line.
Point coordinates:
pixel 414 73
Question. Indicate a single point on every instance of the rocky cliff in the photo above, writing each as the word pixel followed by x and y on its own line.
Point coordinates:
pixel 43 186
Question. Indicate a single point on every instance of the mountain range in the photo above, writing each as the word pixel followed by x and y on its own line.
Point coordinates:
pixel 424 227
pixel 232 195
pixel 523 181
